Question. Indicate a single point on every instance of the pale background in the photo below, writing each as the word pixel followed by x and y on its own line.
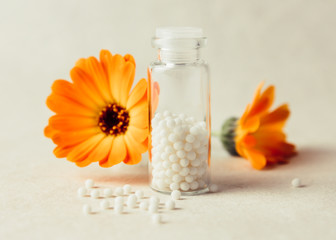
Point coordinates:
pixel 289 43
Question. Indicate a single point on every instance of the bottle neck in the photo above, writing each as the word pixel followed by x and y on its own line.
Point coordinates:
pixel 178 56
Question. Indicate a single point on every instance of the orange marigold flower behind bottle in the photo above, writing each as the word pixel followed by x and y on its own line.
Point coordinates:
pixel 97 118
pixel 258 135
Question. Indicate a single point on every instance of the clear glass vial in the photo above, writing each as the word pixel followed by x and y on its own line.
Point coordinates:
pixel 179 112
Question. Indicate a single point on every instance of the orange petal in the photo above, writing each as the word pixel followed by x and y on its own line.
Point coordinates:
pixel 82 150
pixel 74 137
pixel 120 74
pixel 257 159
pixel 49 132
pixel 277 118
pixel 86 84
pixel 138 134
pixel 133 144
pixel 61 152
pixel 137 93
pixel 264 103
pixel 133 156
pixel 64 105
pixel 117 153
pixel 99 153
pixel 99 77
pixel 67 89
pixel 70 123
pixel 139 115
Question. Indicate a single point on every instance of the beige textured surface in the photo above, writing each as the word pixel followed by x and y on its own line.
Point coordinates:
pixel 287 43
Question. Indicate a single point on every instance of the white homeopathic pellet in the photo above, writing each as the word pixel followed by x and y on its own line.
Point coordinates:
pixel 176 194
pixel 131 201
pixel 87 209
pixel 153 207
pixel 296 182
pixel 89 183
pixel 213 188
pixel 139 193
pixel 154 199
pixel 170 204
pixel 144 205
pixel 127 189
pixel 119 191
pixel 156 218
pixel 119 200
pixel 108 192
pixel 82 191
pixel 95 193
pixel 119 208
pixel 105 204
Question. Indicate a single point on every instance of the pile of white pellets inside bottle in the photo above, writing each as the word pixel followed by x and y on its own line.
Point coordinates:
pixel 180 147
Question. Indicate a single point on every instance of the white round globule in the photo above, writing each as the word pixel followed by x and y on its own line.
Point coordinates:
pixel 172 138
pixel 89 183
pixel 140 194
pixel 174 186
pixel 170 204
pixel 87 209
pixel 196 163
pixel 181 154
pixel 173 158
pixel 119 208
pixel 131 201
pixel 176 167
pixel 189 179
pixel 156 218
pixel 171 123
pixel 166 113
pixel 127 189
pixel 165 156
pixel 191 155
pixel 108 192
pixel 105 204
pixel 296 182
pixel 119 191
pixel 213 188
pixel 184 162
pixel 169 173
pixel 178 145
pixel 119 201
pixel 184 186
pixel 176 195
pixel 154 199
pixel 184 171
pixel 188 147
pixel 177 178
pixel 196 144
pixel 190 138
pixel 153 208
pixel 169 149
pixel 81 192
pixel 144 205
pixel 193 171
pixel 194 185
pixel 95 193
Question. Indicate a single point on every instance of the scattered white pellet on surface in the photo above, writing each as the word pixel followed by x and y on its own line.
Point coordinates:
pixel 81 192
pixel 154 199
pixel 108 192
pixel 87 209
pixel 170 204
pixel 131 201
pixel 119 200
pixel 213 188
pixel 144 205
pixel 95 193
pixel 89 183
pixel 153 208
pixel 139 193
pixel 105 204
pixel 127 189
pixel 176 195
pixel 119 191
pixel 119 208
pixel 156 218
pixel 296 182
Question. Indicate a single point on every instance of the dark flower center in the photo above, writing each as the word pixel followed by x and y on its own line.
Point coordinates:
pixel 113 119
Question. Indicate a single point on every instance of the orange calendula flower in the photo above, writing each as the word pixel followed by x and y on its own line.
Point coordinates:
pixel 258 135
pixel 97 118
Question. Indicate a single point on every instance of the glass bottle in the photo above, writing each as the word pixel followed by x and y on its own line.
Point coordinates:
pixel 179 112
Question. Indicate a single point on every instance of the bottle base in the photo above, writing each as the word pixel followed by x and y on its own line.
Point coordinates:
pixel 185 193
